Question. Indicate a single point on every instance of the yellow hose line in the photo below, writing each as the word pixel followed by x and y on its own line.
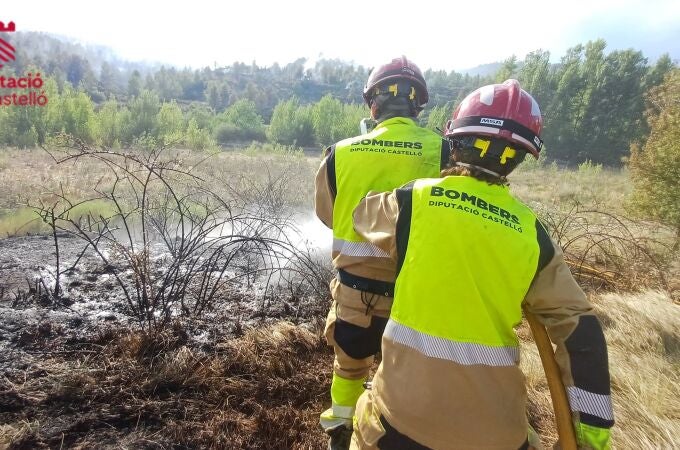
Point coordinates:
pixel 565 428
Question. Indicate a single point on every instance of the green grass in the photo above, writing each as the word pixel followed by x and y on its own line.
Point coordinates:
pixel 26 221
pixel 21 222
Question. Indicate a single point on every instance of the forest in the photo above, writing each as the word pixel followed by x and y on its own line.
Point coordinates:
pixel 593 99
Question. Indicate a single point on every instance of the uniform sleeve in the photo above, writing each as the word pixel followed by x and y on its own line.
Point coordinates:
pixel 581 351
pixel 325 188
pixel 375 219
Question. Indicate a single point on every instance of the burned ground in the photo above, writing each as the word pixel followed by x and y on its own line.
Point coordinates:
pixel 132 390
pixel 78 372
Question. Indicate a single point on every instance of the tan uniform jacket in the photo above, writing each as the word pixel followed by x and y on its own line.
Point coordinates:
pixel 483 406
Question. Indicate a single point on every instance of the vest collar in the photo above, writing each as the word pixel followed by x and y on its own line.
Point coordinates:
pixel 481 185
pixel 397 121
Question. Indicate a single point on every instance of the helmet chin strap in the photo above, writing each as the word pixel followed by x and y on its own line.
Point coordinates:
pixel 472 166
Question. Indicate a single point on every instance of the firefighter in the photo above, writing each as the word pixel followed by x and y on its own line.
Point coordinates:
pixel 469 256
pixel 396 151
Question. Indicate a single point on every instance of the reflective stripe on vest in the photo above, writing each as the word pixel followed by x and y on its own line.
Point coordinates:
pixel 472 253
pixel 358 249
pixel 464 353
pixel 396 152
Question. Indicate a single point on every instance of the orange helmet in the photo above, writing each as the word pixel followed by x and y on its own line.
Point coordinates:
pixel 501 111
pixel 398 70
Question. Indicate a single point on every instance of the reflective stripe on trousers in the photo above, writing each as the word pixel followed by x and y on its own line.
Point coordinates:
pixel 594 404
pixel 465 353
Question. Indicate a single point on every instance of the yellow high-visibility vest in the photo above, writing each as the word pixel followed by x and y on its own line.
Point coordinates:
pixel 396 152
pixel 471 255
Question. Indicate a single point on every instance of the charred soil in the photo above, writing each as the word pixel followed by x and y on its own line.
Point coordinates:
pixel 252 372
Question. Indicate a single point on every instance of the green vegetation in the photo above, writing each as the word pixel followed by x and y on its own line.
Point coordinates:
pixel 27 221
pixel 655 168
pixel 593 102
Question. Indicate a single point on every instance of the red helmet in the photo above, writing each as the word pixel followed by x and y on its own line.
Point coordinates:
pixel 397 69
pixel 500 110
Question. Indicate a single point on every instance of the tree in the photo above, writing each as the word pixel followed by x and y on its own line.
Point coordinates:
pixel 535 76
pixel 24 127
pixel 303 127
pixel 202 114
pixel 109 121
pixel 16 128
pixel 72 112
pixel 109 78
pixel 439 115
pixel 560 115
pixel 77 69
pixel 135 84
pixel 327 115
pixel 655 168
pixel 166 84
pixel 507 70
pixel 657 73
pixel 217 94
pixel 198 138
pixel 617 87
pixel 248 124
pixel 291 124
pixel 170 123
pixel 349 123
pixel 655 76
pixel 143 117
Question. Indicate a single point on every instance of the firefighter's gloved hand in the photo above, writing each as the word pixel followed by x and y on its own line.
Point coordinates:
pixel 590 437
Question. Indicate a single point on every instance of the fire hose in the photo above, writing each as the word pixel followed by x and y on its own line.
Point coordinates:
pixel 558 394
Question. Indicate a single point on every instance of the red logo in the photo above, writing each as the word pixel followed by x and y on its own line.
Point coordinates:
pixel 6 49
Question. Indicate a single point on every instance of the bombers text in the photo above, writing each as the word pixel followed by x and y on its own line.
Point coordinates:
pixel 386 143
pixel 498 215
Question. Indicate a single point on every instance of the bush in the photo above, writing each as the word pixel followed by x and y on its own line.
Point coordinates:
pixel 198 138
pixel 291 124
pixel 28 139
pixel 655 167
pixel 226 133
pixel 257 148
pixel 145 142
pixel 587 167
pixel 244 116
pixel 143 116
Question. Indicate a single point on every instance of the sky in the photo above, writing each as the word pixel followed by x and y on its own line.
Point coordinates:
pixel 451 35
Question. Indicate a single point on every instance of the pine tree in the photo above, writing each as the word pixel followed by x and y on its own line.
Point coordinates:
pixel 655 168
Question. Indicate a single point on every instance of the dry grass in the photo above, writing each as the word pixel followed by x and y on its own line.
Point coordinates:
pixel 25 173
pixel 263 390
pixel 28 174
pixel 556 188
pixel 643 337
pixel 247 173
pixel 585 212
